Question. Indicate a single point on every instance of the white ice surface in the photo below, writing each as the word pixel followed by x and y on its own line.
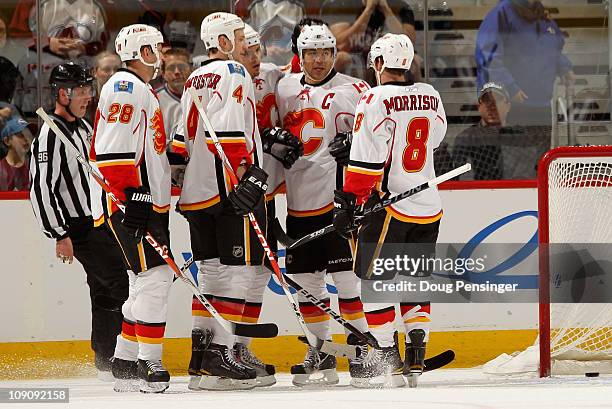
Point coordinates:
pixel 440 389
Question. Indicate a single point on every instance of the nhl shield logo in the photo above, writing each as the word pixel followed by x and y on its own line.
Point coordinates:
pixel 289 259
pixel 238 251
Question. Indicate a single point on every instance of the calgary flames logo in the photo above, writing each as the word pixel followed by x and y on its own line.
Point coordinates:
pixel 159 133
pixel 295 122
pixel 264 111
pixel 259 83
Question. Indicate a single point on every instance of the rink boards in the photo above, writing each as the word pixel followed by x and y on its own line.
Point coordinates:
pixel 45 304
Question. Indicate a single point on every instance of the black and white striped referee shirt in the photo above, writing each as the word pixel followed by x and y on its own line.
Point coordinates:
pixel 60 184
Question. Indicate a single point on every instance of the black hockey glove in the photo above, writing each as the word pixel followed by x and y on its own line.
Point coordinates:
pixel 282 145
pixel 340 147
pixel 138 208
pixel 345 212
pixel 249 191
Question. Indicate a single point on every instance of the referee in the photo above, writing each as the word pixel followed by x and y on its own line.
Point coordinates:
pixel 60 198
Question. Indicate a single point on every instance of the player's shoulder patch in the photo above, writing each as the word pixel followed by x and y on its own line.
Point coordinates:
pixel 236 69
pixel 124 86
pixel 368 96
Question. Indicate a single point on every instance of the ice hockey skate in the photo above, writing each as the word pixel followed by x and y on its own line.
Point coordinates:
pixel 415 357
pixel 318 369
pixel 221 372
pixel 153 376
pixel 200 339
pixel 104 368
pixel 126 375
pixel 265 372
pixel 382 368
pixel 356 365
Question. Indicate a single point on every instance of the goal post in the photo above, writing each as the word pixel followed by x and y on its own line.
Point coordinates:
pixel 574 206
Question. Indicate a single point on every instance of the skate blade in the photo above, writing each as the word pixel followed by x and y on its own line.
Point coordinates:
pixel 126 385
pixel 379 382
pixel 153 387
pixel 318 378
pixel 217 383
pixel 413 380
pixel 194 382
pixel 105 376
pixel 262 381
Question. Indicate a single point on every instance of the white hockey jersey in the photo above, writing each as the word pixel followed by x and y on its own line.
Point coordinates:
pixel 397 127
pixel 170 105
pixel 226 91
pixel 129 144
pixel 80 19
pixel 315 113
pixel 267 117
pixel 26 94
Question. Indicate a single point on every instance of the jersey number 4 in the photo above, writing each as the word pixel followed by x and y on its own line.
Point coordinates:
pixel 415 152
pixel 124 112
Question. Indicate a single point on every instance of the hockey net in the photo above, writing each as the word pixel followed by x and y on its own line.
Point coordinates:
pixel 575 206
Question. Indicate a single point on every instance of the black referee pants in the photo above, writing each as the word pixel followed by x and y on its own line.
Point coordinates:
pixel 102 259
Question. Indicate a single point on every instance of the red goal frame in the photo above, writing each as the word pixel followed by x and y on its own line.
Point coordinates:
pixel 543 239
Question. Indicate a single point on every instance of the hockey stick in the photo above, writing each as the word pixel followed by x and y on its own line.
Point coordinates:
pixel 439 360
pixel 112 304
pixel 325 346
pixel 237 328
pixel 290 243
pixel 432 363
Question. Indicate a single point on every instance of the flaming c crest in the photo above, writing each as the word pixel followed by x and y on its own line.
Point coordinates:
pixel 159 133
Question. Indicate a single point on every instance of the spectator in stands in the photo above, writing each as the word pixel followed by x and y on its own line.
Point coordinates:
pixel 77 36
pixel 358 23
pixel 480 143
pixel 82 31
pixel 105 65
pixel 14 170
pixel 520 47
pixel 8 48
pixel 176 68
pixel 9 77
pixel 495 149
pixel 274 20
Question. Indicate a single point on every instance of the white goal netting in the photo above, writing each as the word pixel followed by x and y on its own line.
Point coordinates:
pixel 580 211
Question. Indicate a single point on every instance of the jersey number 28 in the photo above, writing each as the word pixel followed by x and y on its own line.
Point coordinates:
pixel 123 111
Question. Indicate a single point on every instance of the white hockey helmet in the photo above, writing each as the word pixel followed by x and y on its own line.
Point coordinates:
pixel 314 37
pixel 396 51
pixel 132 38
pixel 251 36
pixel 217 24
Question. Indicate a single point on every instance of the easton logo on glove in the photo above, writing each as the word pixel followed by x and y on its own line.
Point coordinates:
pixel 262 185
pixel 250 191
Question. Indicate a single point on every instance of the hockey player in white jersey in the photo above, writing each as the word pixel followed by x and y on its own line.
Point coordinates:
pixel 129 149
pixel 224 245
pixel 315 106
pixel 398 125
pixel 279 152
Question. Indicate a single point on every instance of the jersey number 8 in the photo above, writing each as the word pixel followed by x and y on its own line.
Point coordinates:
pixel 415 152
